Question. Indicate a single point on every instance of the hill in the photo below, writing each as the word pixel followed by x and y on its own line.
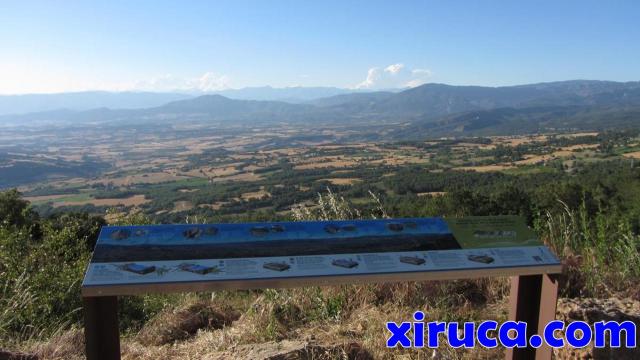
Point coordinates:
pixel 434 100
pixel 441 109
pixel 294 94
pixel 529 120
pixel 79 101
pixel 86 100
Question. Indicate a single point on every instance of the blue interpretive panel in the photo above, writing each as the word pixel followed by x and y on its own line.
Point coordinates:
pixel 210 256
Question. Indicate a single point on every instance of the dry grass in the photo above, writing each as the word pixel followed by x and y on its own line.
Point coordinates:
pixel 176 325
pixel 332 206
pixel 68 345
pixel 358 313
pixel 341 322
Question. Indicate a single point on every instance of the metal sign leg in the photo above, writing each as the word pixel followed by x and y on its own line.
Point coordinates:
pixel 533 300
pixel 101 333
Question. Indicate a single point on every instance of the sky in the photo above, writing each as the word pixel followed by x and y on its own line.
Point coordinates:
pixel 62 46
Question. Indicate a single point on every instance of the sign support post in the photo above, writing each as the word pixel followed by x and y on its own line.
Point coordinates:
pixel 101 332
pixel 533 299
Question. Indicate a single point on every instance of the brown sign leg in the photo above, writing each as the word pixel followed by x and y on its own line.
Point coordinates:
pixel 101 333
pixel 533 300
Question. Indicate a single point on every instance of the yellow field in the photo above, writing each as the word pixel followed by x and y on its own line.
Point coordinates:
pixel 240 162
pixel 326 163
pixel 37 199
pixel 147 178
pixel 215 206
pixel 485 168
pixel 255 195
pixel 574 135
pixel 247 176
pixel 518 140
pixel 432 193
pixel 134 200
pixel 342 181
pixel 182 206
pixel 213 171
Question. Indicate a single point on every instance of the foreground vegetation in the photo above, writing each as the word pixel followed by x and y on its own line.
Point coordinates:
pixel 589 215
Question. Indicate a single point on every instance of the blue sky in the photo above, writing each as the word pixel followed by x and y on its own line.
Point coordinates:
pixel 55 46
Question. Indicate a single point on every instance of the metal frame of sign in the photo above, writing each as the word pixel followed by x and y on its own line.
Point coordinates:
pixel 135 260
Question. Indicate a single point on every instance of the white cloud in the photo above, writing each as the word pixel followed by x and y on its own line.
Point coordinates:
pixel 394 76
pixel 211 82
pixel 372 77
pixel 208 81
pixel 394 69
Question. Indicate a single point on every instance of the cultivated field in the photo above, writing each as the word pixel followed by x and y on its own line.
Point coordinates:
pixel 173 173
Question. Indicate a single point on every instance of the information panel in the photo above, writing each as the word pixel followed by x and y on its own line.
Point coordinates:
pixel 130 258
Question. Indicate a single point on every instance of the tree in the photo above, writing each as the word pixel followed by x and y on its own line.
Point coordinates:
pixel 14 211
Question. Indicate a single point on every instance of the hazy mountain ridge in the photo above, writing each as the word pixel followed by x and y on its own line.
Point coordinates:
pixel 86 100
pixel 218 107
pixel 293 94
pixel 445 109
pixel 79 101
pixel 433 100
pixel 510 121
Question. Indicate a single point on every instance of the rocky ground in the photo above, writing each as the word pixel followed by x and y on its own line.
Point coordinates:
pixel 594 310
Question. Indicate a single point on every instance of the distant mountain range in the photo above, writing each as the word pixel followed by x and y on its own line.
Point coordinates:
pixel 431 109
pixel 79 101
pixel 295 94
pixel 435 100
